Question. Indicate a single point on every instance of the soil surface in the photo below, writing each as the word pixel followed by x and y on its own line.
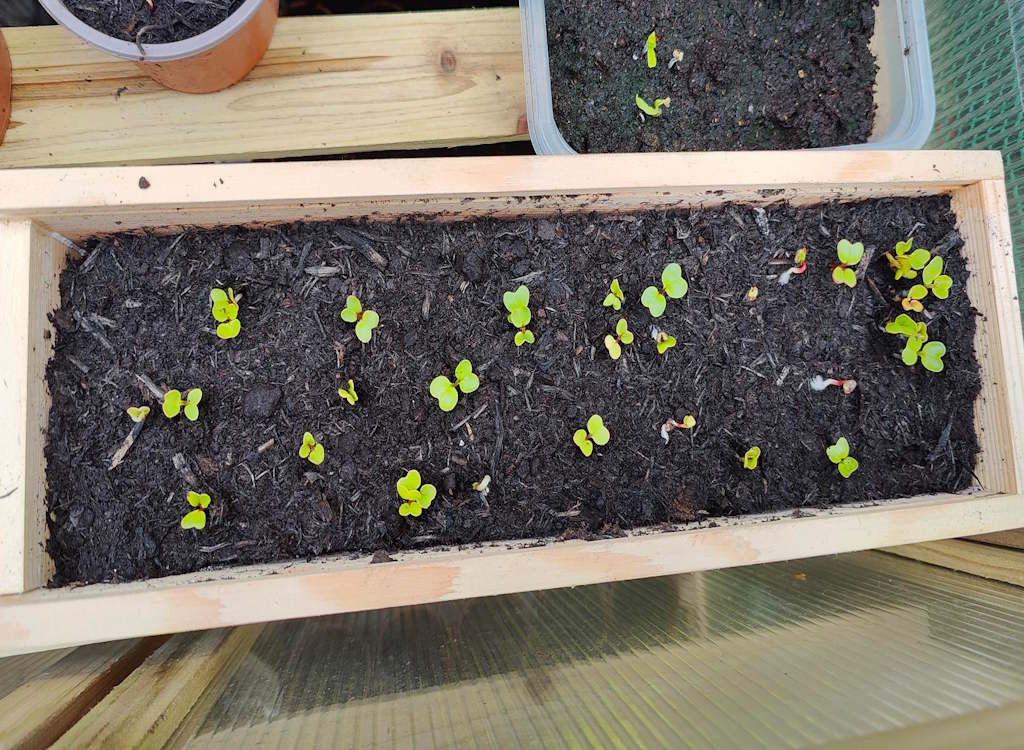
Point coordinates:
pixel 138 305
pixel 753 75
pixel 168 21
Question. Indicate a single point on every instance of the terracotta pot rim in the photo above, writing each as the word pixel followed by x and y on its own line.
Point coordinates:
pixel 179 50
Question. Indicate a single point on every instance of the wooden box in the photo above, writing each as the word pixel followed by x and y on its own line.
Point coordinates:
pixel 79 202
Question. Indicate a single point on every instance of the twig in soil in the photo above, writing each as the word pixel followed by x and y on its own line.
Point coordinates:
pixel 145 30
pixel 877 292
pixel 943 442
pixel 150 386
pixel 92 329
pixel 527 278
pixel 79 252
pixel 126 444
pixel 323 272
pixel 183 468
pixel 79 365
pixel 425 309
pixel 302 258
pixel 91 259
pixel 474 415
pixel 266 446
pixel 214 548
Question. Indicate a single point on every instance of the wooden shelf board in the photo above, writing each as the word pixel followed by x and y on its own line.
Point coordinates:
pixel 327 85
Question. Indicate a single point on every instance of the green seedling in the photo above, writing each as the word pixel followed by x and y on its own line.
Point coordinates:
pixel 664 341
pixel 672 283
pixel 174 404
pixel 652 57
pixel 798 267
pixel 196 519
pixel 688 423
pixel 596 432
pixel 138 413
pixel 752 294
pixel 654 111
pixel 518 305
pixel 907 262
pixel 751 457
pixel 311 450
pixel 225 312
pixel 447 393
pixel 932 280
pixel 615 296
pixel 918 347
pixel 623 336
pixel 417 497
pixel 839 454
pixel 349 393
pixel 849 254
pixel 365 320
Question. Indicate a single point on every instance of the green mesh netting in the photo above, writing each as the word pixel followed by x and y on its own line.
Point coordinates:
pixel 977 51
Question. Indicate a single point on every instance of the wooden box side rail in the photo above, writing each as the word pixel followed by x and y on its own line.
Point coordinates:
pixel 327 85
pixel 82 202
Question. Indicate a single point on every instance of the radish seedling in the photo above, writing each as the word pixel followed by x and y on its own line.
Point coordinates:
pixel 906 262
pixel 818 383
pixel 417 497
pixel 174 404
pixel 800 265
pixel 518 305
pixel 196 519
pixel 365 320
pixel 654 111
pixel 850 254
pixel 615 296
pixel 672 283
pixel 751 457
pixel 652 57
pixel 311 450
pixel 839 454
pixel 225 312
pixel 918 347
pixel 596 433
pixel 349 393
pixel 447 393
pixel 622 336
pixel 138 413
pixel 932 280
pixel 688 423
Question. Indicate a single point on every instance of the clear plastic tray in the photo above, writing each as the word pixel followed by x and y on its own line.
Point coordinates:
pixel 904 92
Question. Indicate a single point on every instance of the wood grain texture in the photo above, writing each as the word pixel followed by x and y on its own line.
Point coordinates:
pixel 144 710
pixel 30 262
pixel 41 619
pixel 326 85
pixel 51 700
pixel 78 202
pixel 978 559
pixel 1013 538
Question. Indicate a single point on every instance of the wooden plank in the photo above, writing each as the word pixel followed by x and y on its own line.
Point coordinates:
pixel 82 201
pixel 51 700
pixel 145 709
pixel 215 598
pixel 326 85
pixel 1013 538
pixel 978 559
pixel 30 263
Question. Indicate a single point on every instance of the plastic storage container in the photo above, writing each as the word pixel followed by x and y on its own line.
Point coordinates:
pixel 904 93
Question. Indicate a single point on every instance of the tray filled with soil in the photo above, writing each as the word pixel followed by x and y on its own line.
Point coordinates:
pixel 561 376
pixel 718 76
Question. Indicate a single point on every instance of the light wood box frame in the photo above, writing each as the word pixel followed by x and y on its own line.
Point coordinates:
pixel 79 202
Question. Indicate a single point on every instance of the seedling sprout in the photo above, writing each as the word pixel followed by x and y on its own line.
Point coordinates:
pixel 907 262
pixel 518 305
pixel 654 111
pixel 447 393
pixel 622 336
pixel 819 383
pixel 652 57
pixel 839 454
pixel 349 393
pixel 752 294
pixel 932 280
pixel 798 267
pixel 417 497
pixel 174 404
pixel 672 283
pixel 311 450
pixel 138 413
pixel 365 320
pixel 615 296
pixel 662 339
pixel 225 312
pixel 196 519
pixel 596 433
pixel 688 423
pixel 751 457
pixel 918 347
pixel 850 254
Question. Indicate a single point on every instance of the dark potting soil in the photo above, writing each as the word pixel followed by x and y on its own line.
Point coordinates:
pixel 753 75
pixel 168 21
pixel 139 306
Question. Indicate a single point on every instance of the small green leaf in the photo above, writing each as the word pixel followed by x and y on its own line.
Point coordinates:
pixel 665 342
pixel 621 327
pixel 230 329
pixel 445 392
pixel 919 259
pixel 751 457
pixel 847 466
pixel 612 345
pixel 583 442
pixel 654 301
pixel 941 286
pixel 465 377
pixel 172 403
pixel 218 295
pixel 909 354
pixel 673 282
pixel 689 422
pixel 917 292
pixel 427 494
pixel 405 509
pixel 931 356
pixel 224 311
pixel 349 393
pixel 932 271
pixel 597 431
pixel 517 299
pixel 316 456
pixel 137 413
pixel 839 451
pixel 520 317
pixel 843 275
pixel 192 399
pixel 353 308
pixel 409 486
pixel 615 297
pixel 654 111
pixel 308 442
pixel 524 337
pixel 850 253
pixel 365 326
pixel 197 500
pixel 903 325
pixel 652 58
pixel 195 519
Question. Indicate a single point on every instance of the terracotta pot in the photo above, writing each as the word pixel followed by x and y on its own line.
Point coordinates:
pixel 5 87
pixel 207 62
